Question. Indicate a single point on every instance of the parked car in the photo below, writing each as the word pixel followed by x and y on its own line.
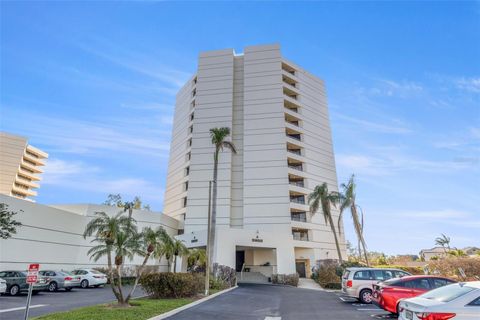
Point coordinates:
pixel 17 282
pixel 387 294
pixel 60 280
pixel 458 301
pixel 3 286
pixel 357 282
pixel 90 277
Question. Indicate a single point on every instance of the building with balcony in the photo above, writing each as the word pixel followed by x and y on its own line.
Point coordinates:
pixel 279 122
pixel 20 167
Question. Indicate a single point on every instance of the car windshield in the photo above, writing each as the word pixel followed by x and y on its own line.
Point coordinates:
pixel 447 293
pixel 22 273
pixel 391 282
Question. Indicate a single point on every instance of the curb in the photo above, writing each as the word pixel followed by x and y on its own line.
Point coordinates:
pixel 192 304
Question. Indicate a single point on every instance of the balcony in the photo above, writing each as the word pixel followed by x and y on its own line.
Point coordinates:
pixel 30 168
pixel 298 167
pixel 27 174
pixel 287 68
pixel 298 183
pixel 27 182
pixel 300 234
pixel 295 151
pixel 297 199
pixel 299 216
pixel 288 92
pixel 23 190
pixel 32 158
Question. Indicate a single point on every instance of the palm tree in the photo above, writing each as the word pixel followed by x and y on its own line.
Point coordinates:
pixel 321 197
pixel 444 242
pixel 179 250
pixel 165 249
pixel 106 229
pixel 150 239
pixel 347 200
pixel 218 136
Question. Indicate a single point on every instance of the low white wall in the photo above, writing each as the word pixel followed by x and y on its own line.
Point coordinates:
pixel 52 235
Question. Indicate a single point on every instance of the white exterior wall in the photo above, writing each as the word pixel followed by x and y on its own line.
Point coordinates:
pixel 53 236
pixel 246 93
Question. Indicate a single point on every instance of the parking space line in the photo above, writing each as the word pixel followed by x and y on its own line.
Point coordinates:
pixel 376 309
pixel 273 318
pixel 23 308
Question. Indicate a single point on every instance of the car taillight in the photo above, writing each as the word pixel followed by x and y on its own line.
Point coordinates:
pixel 434 315
pixel 68 278
pixel 349 283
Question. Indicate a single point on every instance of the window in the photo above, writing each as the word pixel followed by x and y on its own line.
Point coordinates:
pixel 475 302
pixel 194 92
pixel 399 274
pixel 395 283
pixel 439 282
pixel 190 129
pixel 187 171
pixel 180 231
pixel 448 293
pixel 188 156
pixel 185 186
pixel 363 275
pixel 192 116
pixel 190 142
pixel 422 284
pixel 184 202
pixel 378 275
pixel 388 274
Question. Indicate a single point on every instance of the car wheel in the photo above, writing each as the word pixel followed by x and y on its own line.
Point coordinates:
pixel 68 289
pixel 366 296
pixel 14 290
pixel 84 284
pixel 52 287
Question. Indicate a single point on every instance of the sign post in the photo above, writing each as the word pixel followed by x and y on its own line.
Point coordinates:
pixel 32 277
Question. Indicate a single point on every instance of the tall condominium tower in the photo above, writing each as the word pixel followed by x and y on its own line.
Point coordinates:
pixel 20 166
pixel 279 124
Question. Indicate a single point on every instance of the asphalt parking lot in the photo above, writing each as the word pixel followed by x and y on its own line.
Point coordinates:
pixel 267 302
pixel 13 308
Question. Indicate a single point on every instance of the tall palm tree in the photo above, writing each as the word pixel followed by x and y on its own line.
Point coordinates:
pixel 321 197
pixel 444 242
pixel 218 136
pixel 179 250
pixel 105 230
pixel 348 200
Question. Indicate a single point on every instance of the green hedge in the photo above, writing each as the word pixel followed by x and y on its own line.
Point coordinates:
pixel 172 285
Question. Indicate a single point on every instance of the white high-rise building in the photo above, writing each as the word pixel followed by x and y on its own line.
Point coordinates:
pixel 280 126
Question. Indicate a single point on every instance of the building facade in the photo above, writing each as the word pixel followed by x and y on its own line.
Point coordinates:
pixel 279 122
pixel 53 235
pixel 20 167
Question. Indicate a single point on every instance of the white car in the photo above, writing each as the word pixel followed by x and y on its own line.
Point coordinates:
pixel 90 277
pixel 3 286
pixel 459 301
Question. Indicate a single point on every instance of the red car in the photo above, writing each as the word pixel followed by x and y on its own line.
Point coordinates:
pixel 387 294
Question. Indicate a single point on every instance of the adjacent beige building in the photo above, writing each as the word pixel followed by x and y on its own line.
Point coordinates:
pixel 20 167
pixel 279 121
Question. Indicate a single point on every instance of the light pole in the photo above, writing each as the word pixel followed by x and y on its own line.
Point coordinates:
pixel 207 266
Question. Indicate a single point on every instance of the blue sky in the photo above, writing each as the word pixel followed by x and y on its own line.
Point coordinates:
pixel 94 85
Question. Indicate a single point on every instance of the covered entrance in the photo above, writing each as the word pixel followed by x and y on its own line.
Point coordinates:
pixel 255 264
pixel 301 269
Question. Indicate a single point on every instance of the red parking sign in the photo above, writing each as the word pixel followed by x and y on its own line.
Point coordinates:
pixel 32 274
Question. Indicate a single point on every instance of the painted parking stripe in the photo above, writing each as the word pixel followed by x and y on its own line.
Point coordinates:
pixel 23 308
pixel 376 309
pixel 273 318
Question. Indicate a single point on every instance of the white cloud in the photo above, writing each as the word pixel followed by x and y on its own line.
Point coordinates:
pixel 468 84
pixel 58 171
pixel 393 127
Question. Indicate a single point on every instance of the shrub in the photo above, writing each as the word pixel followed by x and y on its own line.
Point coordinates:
pixel 286 279
pixel 448 267
pixel 327 275
pixel 172 285
pixel 224 274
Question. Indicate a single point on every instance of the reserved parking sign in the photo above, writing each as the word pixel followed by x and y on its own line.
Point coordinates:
pixel 32 274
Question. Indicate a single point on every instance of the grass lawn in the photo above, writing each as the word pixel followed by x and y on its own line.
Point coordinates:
pixel 141 309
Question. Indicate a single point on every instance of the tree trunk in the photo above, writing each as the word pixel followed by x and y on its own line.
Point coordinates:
pixel 121 300
pixel 214 210
pixel 139 274
pixel 359 231
pixel 337 244
pixel 175 264
pixel 111 276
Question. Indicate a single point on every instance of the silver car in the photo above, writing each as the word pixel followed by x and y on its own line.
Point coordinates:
pixel 357 282
pixel 60 280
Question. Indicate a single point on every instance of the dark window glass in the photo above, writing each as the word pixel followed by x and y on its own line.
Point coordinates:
pixel 388 274
pixel 437 282
pixel 378 275
pixel 475 302
pixel 418 284
pixel 363 275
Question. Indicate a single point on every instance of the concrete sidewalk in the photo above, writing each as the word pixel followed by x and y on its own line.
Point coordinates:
pixel 305 283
